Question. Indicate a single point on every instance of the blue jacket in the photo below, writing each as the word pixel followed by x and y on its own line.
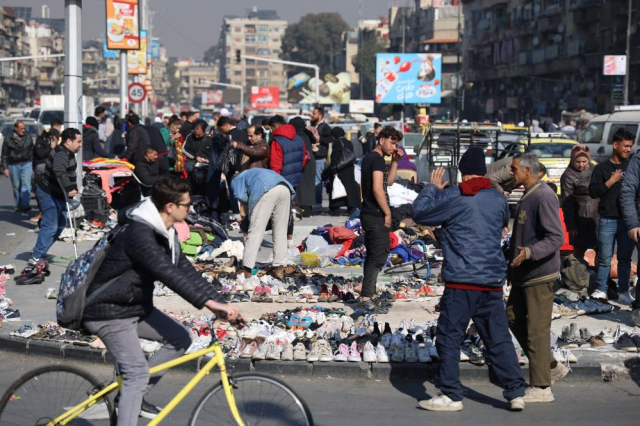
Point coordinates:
pixel 630 193
pixel 287 160
pixel 471 232
pixel 250 185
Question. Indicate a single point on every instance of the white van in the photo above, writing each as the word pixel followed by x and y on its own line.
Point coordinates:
pixel 598 135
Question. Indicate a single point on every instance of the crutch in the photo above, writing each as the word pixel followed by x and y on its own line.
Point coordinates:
pixel 71 217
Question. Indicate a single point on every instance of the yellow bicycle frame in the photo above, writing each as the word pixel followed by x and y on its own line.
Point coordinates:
pixel 216 361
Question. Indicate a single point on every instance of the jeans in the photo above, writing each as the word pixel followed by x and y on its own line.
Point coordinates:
pixel 319 169
pixel 52 222
pixel 609 230
pixel 121 337
pixel 20 175
pixel 486 309
pixel 377 242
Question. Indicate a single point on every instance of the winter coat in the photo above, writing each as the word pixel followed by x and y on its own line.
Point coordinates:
pixel 16 150
pixel 115 142
pixel 148 174
pixel 186 129
pixel 306 195
pixel 255 154
pixel 60 169
pixel 472 221
pixel 325 141
pixel 630 193
pixel 287 154
pixel 346 175
pixel 580 210
pixel 137 141
pixel 194 148
pixel 141 255
pixel 91 145
pixel 41 150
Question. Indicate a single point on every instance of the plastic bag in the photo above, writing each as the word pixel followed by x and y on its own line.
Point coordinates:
pixel 314 242
pixel 337 189
pixel 328 251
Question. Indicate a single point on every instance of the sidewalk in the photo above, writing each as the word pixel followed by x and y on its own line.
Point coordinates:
pixel 593 364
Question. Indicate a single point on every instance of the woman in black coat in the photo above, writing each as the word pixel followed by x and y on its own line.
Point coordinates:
pixel 305 192
pixel 344 171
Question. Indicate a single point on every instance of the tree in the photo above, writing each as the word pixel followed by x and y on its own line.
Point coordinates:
pixel 210 54
pixel 315 39
pixel 173 92
pixel 365 65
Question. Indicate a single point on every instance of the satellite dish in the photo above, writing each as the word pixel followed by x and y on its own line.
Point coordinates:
pixel 561 28
pixel 536 41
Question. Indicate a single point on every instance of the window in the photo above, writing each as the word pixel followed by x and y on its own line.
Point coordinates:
pixel 631 128
pixel 250 50
pixel 262 39
pixel 251 72
pixel 593 133
pixel 276 51
pixel 263 29
pixel 237 29
pixel 250 61
pixel 250 39
pixel 263 51
pixel 237 73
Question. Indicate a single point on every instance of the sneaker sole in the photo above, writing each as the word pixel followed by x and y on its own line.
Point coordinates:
pixel 146 415
pixel 441 408
pixel 538 400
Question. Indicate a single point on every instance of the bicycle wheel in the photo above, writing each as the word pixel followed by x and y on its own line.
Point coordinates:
pixel 47 392
pixel 261 400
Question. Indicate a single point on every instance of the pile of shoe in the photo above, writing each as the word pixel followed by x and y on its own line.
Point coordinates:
pixel 50 331
pixel 572 337
pixel 6 313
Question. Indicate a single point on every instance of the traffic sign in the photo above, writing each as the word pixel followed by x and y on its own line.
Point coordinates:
pixel 137 93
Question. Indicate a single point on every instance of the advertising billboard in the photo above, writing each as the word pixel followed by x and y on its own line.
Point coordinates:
pixel 334 88
pixel 154 48
pixel 615 65
pixel 137 60
pixel 361 106
pixel 408 78
pixel 123 25
pixel 265 97
pixel 106 53
pixel 212 97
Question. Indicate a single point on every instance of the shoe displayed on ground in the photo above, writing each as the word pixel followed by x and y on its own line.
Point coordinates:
pixel 369 353
pixel 342 354
pixel 249 350
pixel 463 356
pixel 261 353
pixel 599 295
pixel 625 298
pixel 299 352
pixel 324 351
pixel 441 403
pixel 354 354
pixel 398 354
pixel 410 354
pixel 10 315
pixel 625 343
pixel 635 317
pixel 536 394
pixel 516 404
pixel 148 410
pixel 381 354
pixel 473 353
pixel 273 352
pixel 287 352
pixel 423 355
pixel 313 353
pixel 558 373
pixel 371 306
pixel 608 336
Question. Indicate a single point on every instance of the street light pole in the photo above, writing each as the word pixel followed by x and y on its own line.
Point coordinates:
pixel 124 86
pixel 73 72
pixel 626 75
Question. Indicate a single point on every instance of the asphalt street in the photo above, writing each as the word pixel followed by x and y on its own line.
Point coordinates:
pixel 13 226
pixel 369 402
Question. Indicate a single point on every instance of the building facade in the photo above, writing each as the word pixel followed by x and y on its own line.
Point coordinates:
pixel 17 78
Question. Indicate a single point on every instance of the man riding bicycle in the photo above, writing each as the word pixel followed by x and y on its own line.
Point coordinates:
pixel 148 250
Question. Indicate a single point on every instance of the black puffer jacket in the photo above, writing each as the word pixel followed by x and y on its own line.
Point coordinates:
pixel 16 150
pixel 140 255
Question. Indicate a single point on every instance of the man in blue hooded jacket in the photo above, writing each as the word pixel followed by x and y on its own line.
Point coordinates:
pixel 473 216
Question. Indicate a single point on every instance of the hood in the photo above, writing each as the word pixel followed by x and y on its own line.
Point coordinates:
pixel 298 123
pixel 146 212
pixel 286 130
pixel 475 185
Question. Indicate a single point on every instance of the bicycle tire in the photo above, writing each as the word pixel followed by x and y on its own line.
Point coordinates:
pixel 265 410
pixel 45 393
pixel 405 267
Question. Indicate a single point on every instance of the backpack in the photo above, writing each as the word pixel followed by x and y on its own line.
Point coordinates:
pixel 75 282
pixel 575 275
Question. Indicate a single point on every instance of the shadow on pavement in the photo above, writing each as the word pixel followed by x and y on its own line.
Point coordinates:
pixel 7 215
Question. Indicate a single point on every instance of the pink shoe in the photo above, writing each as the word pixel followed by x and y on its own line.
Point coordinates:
pixel 258 289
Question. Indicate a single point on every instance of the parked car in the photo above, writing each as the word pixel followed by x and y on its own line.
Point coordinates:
pixel 598 134
pixel 33 128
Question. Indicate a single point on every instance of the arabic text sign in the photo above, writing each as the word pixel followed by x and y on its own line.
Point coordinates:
pixel 408 78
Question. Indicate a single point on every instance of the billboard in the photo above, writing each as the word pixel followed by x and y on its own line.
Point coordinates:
pixel 123 25
pixel 408 78
pixel 265 97
pixel 615 65
pixel 154 48
pixel 106 53
pixel 334 88
pixel 212 97
pixel 137 60
pixel 361 106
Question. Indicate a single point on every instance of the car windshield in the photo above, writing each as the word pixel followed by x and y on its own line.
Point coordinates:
pixel 7 129
pixel 412 139
pixel 593 133
pixel 47 116
pixel 552 150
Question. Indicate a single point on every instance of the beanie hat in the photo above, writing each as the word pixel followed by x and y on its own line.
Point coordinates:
pixel 473 162
pixel 54 133
pixel 93 122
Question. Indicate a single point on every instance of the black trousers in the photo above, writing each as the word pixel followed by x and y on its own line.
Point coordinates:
pixel 376 241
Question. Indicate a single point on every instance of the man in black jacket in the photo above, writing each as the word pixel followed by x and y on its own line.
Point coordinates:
pixel 322 149
pixel 58 183
pixel 188 124
pixel 137 140
pixel 45 143
pixel 147 171
pixel 15 161
pixel 197 148
pixel 148 250
pixel 92 146
pixel 157 143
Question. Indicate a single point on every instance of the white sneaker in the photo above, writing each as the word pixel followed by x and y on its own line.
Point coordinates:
pixel 200 343
pixel 625 298
pixel 354 354
pixel 313 353
pixel 261 353
pixel 431 347
pixel 369 353
pixel 463 356
pixel 599 295
pixel 536 394
pixel 342 354
pixel 299 352
pixel 423 354
pixel 607 335
pixel 381 354
pixel 324 351
pixel 287 352
pixel 441 403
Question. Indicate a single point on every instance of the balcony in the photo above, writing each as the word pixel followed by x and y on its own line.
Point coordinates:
pixel 549 24
pixel 538 56
pixel 554 51
pixel 586 16
pixel 575 48
pixel 524 58
pixel 584 4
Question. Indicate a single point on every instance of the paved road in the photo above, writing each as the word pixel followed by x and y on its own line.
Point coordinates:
pixel 369 403
pixel 10 221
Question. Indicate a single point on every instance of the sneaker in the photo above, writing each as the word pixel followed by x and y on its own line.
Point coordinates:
pixel 354 354
pixel 299 352
pixel 536 394
pixel 29 279
pixel 369 353
pixel 249 350
pixel 599 295
pixel 287 352
pixel 473 353
pixel 370 306
pixel 516 404
pixel 463 356
pixel 10 315
pixel 324 351
pixel 150 346
pixel 273 351
pixel 607 335
pixel 261 353
pixel 635 317
pixel 342 354
pixel 314 353
pixel 559 372
pixel 385 340
pixel 441 403
pixel 398 354
pixel 410 353
pixel 381 354
pixel 625 343
pixel 423 354
pixel 625 298
pixel 431 347
pixel 148 410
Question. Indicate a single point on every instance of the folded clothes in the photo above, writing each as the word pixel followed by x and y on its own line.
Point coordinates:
pixel 589 306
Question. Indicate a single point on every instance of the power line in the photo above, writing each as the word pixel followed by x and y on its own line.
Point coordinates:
pixel 181 33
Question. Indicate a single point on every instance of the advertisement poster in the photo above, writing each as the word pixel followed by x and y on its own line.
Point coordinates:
pixel 615 65
pixel 265 97
pixel 361 106
pixel 334 88
pixel 137 60
pixel 154 48
pixel 408 78
pixel 106 53
pixel 212 97
pixel 123 25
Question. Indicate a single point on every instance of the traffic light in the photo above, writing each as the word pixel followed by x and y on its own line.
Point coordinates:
pixel 238 56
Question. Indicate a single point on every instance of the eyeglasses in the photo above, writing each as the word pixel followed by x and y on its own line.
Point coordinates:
pixel 580 148
pixel 183 204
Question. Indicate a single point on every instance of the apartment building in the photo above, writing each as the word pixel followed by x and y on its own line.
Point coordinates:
pixel 17 78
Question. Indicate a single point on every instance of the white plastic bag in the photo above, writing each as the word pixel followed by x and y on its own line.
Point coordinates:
pixel 338 190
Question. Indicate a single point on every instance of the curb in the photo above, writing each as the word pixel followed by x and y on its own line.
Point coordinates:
pixel 589 369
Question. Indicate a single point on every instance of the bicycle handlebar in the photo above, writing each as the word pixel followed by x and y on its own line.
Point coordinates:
pixel 239 322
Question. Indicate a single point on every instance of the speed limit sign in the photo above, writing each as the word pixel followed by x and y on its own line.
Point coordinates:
pixel 137 93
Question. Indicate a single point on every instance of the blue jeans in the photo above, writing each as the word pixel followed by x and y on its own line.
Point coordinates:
pixel 319 169
pixel 609 230
pixel 20 175
pixel 52 223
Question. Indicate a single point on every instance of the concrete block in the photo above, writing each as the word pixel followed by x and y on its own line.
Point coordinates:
pixel 346 370
pixel 283 368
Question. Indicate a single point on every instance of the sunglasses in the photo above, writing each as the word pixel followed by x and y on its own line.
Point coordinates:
pixel 580 148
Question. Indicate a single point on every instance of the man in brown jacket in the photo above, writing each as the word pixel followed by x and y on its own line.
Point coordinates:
pixel 535 262
pixel 256 152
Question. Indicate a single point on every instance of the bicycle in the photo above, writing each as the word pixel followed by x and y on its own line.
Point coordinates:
pixel 27 401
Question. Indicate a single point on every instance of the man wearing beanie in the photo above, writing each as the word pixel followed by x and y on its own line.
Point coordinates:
pixel 92 147
pixel 535 262
pixel 472 216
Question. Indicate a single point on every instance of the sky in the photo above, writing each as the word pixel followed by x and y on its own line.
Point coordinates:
pixel 189 31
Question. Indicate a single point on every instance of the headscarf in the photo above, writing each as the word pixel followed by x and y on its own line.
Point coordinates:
pixel 337 132
pixel 579 150
pixel 298 123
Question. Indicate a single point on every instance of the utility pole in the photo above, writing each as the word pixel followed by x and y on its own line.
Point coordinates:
pixel 144 15
pixel 124 85
pixel 360 48
pixel 626 75
pixel 73 71
pixel 459 42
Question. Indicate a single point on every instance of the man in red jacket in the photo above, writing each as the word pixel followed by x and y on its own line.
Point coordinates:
pixel 288 154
